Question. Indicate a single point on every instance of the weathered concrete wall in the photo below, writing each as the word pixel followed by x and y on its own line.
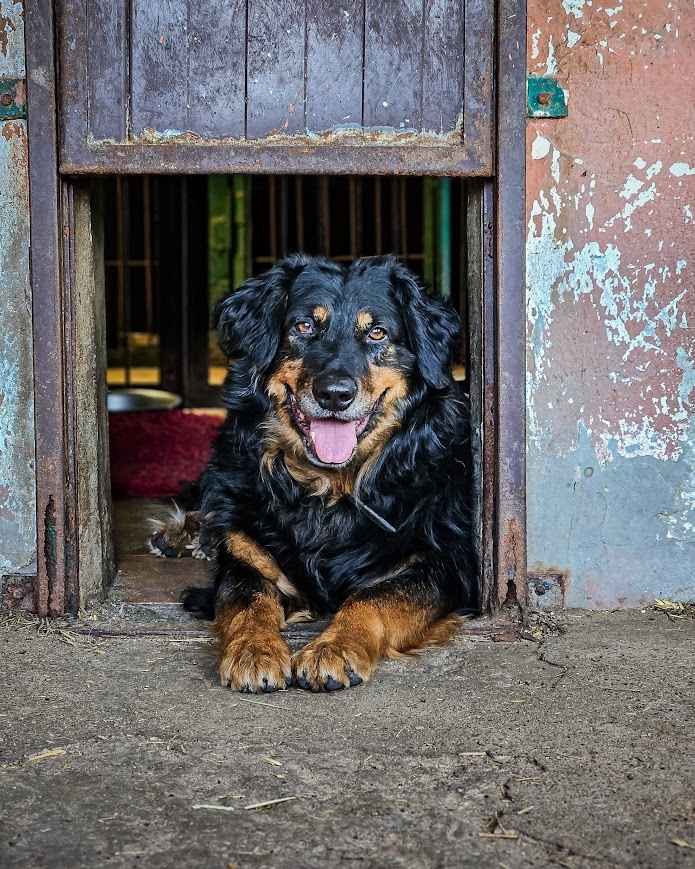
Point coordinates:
pixel 17 475
pixel 611 301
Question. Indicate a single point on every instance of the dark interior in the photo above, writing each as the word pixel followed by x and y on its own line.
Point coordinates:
pixel 174 244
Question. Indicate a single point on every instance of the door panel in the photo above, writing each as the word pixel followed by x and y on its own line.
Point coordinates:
pixel 223 85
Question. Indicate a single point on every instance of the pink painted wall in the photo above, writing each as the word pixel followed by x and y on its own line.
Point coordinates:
pixel 611 300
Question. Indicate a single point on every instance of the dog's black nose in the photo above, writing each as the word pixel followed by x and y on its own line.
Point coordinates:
pixel 334 393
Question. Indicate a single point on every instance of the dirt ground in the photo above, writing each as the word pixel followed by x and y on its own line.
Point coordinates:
pixel 574 750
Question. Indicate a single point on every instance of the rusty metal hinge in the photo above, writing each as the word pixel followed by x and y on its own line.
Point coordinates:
pixel 13 99
pixel 545 98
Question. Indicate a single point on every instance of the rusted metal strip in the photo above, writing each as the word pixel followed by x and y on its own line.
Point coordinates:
pixel 263 157
pixel 482 379
pixel 51 468
pixel 510 530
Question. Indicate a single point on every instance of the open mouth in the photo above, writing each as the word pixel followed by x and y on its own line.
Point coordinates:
pixel 331 440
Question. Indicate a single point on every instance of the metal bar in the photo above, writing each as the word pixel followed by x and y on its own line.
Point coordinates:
pixel 324 216
pixel 259 158
pixel 510 530
pixel 461 243
pixel 273 215
pixel 170 276
pixel 299 210
pixel 284 215
pixel 444 237
pixel 127 283
pixel 240 265
pixel 395 220
pixel 147 246
pixel 428 230
pixel 184 265
pixel 403 216
pixel 49 362
pixel 197 309
pixel 378 232
pixel 352 198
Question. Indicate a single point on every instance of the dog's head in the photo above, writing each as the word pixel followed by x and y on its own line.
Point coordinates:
pixel 338 351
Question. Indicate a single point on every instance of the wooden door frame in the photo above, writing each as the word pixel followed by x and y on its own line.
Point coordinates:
pixel 499 382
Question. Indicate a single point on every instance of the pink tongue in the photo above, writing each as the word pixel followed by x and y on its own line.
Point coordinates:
pixel 334 441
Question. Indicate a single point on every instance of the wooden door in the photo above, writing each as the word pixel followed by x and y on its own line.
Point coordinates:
pixel 355 86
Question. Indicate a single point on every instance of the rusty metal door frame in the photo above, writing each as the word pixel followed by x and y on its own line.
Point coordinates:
pixel 502 372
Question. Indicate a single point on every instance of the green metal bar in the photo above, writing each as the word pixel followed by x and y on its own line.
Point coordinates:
pixel 444 237
pixel 428 230
pixel 219 235
pixel 241 213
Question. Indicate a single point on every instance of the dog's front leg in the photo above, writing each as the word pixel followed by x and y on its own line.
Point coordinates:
pixel 253 656
pixel 397 616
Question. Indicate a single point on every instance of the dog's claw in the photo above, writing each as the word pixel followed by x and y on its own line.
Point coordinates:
pixel 332 684
pixel 288 681
pixel 303 682
pixel 354 678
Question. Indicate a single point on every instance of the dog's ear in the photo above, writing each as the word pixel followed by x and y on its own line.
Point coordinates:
pixel 432 327
pixel 249 320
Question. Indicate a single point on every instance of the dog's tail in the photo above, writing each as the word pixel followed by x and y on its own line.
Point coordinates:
pixel 199 601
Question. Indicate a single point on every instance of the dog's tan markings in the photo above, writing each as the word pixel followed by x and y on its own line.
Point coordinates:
pixel 320 313
pixel 393 386
pixel 364 321
pixel 281 437
pixel 243 548
pixel 253 656
pixel 364 632
pixel 288 373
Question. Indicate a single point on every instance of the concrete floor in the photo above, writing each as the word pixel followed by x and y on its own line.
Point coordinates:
pixel 581 745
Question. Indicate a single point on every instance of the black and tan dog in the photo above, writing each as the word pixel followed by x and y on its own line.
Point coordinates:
pixel 338 484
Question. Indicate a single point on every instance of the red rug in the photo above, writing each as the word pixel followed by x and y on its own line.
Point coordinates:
pixel 153 453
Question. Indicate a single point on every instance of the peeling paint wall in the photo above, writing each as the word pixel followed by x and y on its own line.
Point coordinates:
pixel 17 465
pixel 611 301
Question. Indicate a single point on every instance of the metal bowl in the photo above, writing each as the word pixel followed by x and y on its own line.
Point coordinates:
pixel 121 400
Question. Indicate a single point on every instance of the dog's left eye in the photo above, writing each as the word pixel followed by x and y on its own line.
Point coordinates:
pixel 305 327
pixel 377 334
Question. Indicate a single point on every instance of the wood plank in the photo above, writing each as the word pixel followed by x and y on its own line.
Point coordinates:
pixel 334 64
pixel 393 64
pixel 107 69
pixel 159 70
pixel 265 157
pixel 443 60
pixel 70 40
pixel 478 108
pixel 217 69
pixel 93 511
pixel 275 68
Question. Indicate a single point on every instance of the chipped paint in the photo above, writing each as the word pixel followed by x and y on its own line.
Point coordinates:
pixel 17 460
pixel 610 296
pixel 346 134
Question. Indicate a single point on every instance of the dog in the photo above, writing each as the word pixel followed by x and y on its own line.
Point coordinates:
pixel 339 483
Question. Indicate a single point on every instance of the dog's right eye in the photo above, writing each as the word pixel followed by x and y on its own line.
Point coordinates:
pixel 305 327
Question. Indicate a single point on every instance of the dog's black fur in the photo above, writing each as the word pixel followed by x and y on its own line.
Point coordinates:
pixel 335 548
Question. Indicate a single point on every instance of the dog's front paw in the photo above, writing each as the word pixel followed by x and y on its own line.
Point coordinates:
pixel 328 665
pixel 256 665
